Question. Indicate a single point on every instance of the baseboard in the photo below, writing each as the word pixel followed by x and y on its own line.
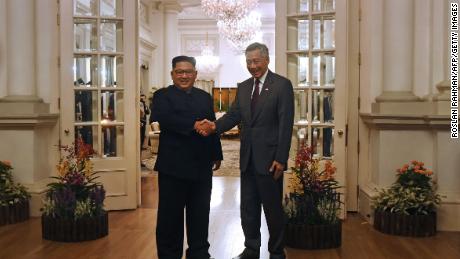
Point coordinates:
pixel 37 192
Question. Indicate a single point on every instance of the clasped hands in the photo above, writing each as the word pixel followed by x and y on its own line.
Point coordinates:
pixel 205 127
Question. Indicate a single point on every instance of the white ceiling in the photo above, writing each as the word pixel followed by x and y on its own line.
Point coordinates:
pixel 192 9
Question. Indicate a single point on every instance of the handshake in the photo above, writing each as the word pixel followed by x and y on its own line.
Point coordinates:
pixel 205 127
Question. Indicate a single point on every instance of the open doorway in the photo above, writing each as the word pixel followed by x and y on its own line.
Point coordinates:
pixel 186 30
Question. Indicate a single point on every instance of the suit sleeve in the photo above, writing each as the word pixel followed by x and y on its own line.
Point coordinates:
pixel 167 118
pixel 286 121
pixel 216 144
pixel 230 118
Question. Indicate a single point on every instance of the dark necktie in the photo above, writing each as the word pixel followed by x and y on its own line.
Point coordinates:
pixel 255 95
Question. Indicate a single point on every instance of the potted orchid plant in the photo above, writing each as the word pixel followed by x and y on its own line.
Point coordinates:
pixel 313 205
pixel 73 207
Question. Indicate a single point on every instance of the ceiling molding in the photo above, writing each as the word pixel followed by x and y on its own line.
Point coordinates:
pixel 197 22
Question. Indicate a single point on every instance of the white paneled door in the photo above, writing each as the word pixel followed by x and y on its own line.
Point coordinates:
pixel 315 61
pixel 99 104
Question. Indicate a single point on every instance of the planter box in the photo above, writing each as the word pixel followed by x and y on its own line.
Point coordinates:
pixel 14 213
pixel 314 236
pixel 405 225
pixel 68 230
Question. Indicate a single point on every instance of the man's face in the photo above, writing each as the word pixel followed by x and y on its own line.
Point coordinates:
pixel 184 75
pixel 256 63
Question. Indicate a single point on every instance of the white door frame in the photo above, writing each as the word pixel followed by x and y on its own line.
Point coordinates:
pixel 285 41
pixel 119 174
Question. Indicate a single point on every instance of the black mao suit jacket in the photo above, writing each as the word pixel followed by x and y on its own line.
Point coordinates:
pixel 182 152
pixel 266 134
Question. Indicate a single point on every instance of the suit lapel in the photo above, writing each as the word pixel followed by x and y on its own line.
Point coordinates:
pixel 266 88
pixel 245 97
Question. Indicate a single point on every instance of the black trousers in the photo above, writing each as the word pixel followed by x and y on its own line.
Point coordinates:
pixel 257 191
pixel 175 194
pixel 143 127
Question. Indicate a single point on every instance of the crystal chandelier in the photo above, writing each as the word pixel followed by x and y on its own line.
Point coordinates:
pixel 241 32
pixel 235 20
pixel 226 10
pixel 207 63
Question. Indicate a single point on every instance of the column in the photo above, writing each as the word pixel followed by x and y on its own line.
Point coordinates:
pixel 28 131
pixel 156 25
pixel 422 68
pixel 47 52
pixel 441 56
pixel 398 42
pixel 3 50
pixel 171 41
pixel 21 50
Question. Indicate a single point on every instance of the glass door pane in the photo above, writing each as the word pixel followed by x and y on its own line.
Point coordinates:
pixel 111 35
pixel 85 7
pixel 85 34
pixel 112 106
pixel 111 71
pixel 88 134
pixel 85 106
pixel 311 67
pixel 112 8
pixel 323 5
pixel 99 118
pixel 84 67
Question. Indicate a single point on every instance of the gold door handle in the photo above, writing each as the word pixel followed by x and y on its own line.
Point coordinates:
pixel 340 132
pixel 66 131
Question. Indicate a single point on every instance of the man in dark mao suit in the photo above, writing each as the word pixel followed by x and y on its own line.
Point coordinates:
pixel 264 106
pixel 185 162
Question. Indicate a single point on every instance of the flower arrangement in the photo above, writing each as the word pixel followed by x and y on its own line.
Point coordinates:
pixel 413 193
pixel 75 194
pixel 315 199
pixel 10 192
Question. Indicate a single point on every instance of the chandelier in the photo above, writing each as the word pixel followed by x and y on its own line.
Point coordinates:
pixel 241 32
pixel 235 20
pixel 226 10
pixel 207 63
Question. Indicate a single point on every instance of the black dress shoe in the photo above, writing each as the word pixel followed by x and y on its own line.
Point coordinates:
pixel 247 254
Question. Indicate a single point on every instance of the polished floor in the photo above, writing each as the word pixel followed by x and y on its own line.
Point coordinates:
pixel 132 235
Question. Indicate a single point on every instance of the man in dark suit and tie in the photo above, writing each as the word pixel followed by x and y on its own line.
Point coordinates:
pixel 264 106
pixel 185 162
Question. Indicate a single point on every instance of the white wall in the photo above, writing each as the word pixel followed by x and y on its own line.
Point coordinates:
pixel 29 131
pixel 47 47
pixel 3 52
pixel 416 130
pixel 151 31
pixel 193 23
pixel 232 69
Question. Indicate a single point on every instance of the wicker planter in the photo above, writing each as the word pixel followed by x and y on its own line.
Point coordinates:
pixel 314 236
pixel 66 230
pixel 14 213
pixel 405 225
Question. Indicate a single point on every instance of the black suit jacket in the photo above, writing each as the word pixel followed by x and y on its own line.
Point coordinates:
pixel 182 152
pixel 266 134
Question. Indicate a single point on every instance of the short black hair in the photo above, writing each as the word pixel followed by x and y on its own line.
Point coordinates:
pixel 188 59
